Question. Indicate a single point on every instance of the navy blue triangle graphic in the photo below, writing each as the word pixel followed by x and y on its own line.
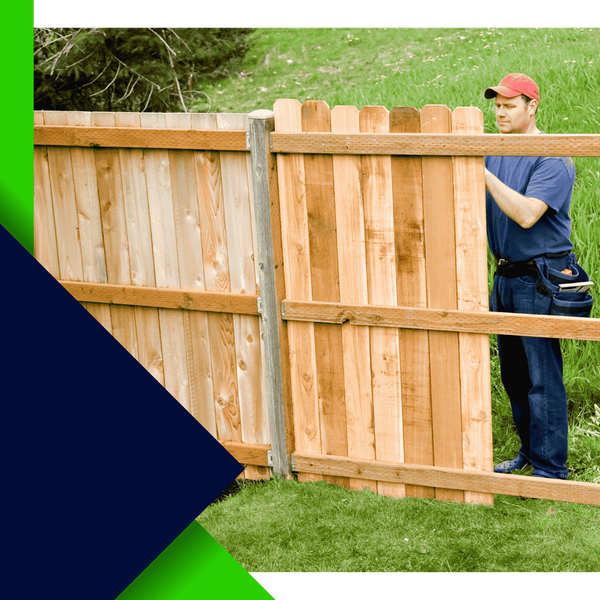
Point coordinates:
pixel 106 468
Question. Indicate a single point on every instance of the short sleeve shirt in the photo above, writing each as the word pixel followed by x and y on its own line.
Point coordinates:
pixel 549 179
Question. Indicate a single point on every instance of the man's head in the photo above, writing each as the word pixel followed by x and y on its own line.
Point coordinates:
pixel 516 98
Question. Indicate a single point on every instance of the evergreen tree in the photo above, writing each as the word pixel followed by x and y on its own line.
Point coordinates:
pixel 131 69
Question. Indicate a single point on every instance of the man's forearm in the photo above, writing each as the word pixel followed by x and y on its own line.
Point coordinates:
pixel 524 211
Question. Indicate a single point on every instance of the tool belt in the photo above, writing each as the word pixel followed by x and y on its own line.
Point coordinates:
pixel 507 268
pixel 547 281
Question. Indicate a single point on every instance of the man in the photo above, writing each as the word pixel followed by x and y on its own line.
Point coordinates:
pixel 528 200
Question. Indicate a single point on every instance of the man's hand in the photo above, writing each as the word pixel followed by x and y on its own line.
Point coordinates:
pixel 524 211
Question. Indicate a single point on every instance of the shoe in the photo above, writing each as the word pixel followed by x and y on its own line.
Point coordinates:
pixel 508 466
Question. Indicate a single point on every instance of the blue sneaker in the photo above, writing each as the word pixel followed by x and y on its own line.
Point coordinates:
pixel 508 466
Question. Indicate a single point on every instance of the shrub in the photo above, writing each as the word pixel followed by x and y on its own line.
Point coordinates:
pixel 132 69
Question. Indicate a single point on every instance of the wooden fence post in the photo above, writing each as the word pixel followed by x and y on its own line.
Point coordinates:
pixel 272 289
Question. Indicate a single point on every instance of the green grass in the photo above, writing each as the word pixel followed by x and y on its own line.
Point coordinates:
pixel 284 526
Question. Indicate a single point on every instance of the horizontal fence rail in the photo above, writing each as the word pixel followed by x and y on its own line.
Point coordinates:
pixel 413 144
pixel 465 321
pixel 134 295
pixel 444 477
pixel 139 137
pixel 439 144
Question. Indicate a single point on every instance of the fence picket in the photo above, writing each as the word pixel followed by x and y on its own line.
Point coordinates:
pixel 350 224
pixel 381 278
pixel 322 235
pixel 44 231
pixel 64 204
pixel 88 205
pixel 440 260
pixel 137 216
pixel 407 180
pixel 472 289
pixel 242 273
pixel 114 233
pixel 221 332
pixel 166 264
pixel 296 248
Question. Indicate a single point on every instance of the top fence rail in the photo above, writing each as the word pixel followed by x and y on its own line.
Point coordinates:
pixel 407 144
pixel 139 137
pixel 447 144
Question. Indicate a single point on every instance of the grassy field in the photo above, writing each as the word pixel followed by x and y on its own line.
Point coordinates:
pixel 415 67
pixel 288 526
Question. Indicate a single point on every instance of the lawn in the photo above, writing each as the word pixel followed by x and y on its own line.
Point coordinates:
pixel 286 526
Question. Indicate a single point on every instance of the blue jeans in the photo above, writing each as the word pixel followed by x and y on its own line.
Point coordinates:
pixel 532 374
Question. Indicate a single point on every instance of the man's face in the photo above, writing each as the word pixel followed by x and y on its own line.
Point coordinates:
pixel 513 115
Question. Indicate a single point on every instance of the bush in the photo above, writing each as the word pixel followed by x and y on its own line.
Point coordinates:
pixel 152 69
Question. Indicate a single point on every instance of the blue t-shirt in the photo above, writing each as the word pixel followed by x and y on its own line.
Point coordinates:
pixel 549 179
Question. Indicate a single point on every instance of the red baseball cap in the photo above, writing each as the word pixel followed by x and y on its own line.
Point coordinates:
pixel 514 84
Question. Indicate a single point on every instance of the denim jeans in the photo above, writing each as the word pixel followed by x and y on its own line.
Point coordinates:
pixel 532 374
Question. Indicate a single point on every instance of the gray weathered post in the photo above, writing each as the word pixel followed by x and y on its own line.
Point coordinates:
pixel 272 288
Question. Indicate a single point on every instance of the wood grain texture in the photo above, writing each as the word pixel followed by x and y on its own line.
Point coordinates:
pixel 215 252
pixel 576 328
pixel 440 260
pixel 381 279
pixel 166 263
pixel 114 233
pixel 242 275
pixel 322 235
pixel 456 479
pixel 472 290
pixel 438 144
pixel 141 260
pixel 44 231
pixel 351 254
pixel 138 205
pixel 146 137
pixel 266 220
pixel 298 285
pixel 163 297
pixel 409 234
pixel 64 204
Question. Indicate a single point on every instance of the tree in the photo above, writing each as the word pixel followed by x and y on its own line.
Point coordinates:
pixel 133 69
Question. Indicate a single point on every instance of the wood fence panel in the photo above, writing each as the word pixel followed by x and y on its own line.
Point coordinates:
pixel 162 215
pixel 406 237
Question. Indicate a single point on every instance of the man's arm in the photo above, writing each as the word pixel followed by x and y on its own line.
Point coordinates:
pixel 524 211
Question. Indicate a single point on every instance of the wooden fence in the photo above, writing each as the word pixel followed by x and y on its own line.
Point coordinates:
pixel 355 349
pixel 158 243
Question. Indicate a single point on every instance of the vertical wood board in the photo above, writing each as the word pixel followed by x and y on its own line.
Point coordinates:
pixel 296 248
